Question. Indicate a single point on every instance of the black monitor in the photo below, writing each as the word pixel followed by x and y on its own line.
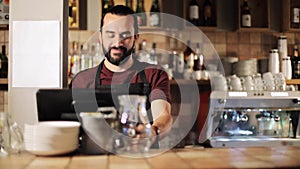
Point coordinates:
pixel 62 104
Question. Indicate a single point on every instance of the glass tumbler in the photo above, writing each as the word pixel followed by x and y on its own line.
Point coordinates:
pixel 4 134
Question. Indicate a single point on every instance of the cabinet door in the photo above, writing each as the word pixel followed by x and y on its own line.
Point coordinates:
pixel 290 15
pixel 260 15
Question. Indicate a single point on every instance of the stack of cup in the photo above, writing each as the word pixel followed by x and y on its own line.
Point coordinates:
pixel 234 83
pixel 258 82
pixel 269 81
pixel 218 83
pixel 280 81
pixel 248 83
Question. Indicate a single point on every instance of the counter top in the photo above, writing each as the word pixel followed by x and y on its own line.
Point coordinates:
pixel 187 158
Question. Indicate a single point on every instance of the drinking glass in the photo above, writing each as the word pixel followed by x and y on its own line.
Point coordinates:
pixel 4 134
pixel 133 113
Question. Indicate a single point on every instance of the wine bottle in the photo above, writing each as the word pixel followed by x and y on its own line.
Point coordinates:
pixel 75 61
pixel 198 59
pixel 295 63
pixel 295 20
pixel 129 3
pixel 187 55
pixel 245 15
pixel 4 63
pixel 207 13
pixel 155 14
pixel 141 15
pixel 153 54
pixel 194 12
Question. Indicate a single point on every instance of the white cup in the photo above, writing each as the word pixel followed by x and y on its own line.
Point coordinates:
pixel 219 83
pixel 234 83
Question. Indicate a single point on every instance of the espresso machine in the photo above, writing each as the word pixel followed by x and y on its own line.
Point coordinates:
pixel 252 118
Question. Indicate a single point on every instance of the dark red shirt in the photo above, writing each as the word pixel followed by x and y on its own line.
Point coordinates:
pixel 155 75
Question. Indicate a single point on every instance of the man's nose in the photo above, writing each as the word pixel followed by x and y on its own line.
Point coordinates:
pixel 118 42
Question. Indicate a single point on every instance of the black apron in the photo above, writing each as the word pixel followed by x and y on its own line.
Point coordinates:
pixel 144 88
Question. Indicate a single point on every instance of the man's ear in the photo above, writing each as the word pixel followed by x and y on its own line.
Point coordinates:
pixel 136 38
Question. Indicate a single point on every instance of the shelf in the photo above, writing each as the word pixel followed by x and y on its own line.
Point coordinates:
pixel 293 82
pixel 260 15
pixel 202 28
pixel 3 81
pixel 287 6
pixel 253 29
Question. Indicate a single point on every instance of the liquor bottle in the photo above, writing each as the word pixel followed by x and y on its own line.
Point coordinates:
pixel 207 13
pixel 155 14
pixel 4 63
pixel 75 60
pixel 295 19
pixel 96 54
pixel 129 3
pixel 85 57
pixel 245 15
pixel 141 15
pixel 180 64
pixel 143 54
pixel 295 63
pixel 198 59
pixel 153 54
pixel 106 4
pixel 188 56
pixel 194 12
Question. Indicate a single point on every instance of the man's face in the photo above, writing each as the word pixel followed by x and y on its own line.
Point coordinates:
pixel 117 37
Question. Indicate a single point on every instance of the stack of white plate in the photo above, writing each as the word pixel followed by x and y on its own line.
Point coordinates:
pixel 51 137
pixel 245 67
pixel 227 63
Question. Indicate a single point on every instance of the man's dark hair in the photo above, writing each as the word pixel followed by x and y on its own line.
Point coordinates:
pixel 122 11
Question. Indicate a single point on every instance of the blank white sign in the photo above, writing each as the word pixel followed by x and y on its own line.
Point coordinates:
pixel 36 54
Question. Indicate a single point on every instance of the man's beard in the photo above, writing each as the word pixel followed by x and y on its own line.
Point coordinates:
pixel 122 59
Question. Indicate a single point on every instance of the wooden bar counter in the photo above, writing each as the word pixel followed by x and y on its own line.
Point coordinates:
pixel 187 158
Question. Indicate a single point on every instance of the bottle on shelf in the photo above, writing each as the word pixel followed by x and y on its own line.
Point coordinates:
pixel 246 15
pixel 198 59
pixel 4 63
pixel 208 13
pixel 143 54
pixel 129 3
pixel 153 54
pixel 295 63
pixel 85 57
pixel 106 4
pixel 96 55
pixel 188 56
pixel 155 19
pixel 180 64
pixel 194 9
pixel 140 12
pixel 75 61
pixel 295 19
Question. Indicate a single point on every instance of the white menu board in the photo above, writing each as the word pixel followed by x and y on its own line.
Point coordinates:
pixel 4 11
pixel 36 54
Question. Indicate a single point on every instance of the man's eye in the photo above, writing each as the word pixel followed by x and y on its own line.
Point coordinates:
pixel 110 35
pixel 125 35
